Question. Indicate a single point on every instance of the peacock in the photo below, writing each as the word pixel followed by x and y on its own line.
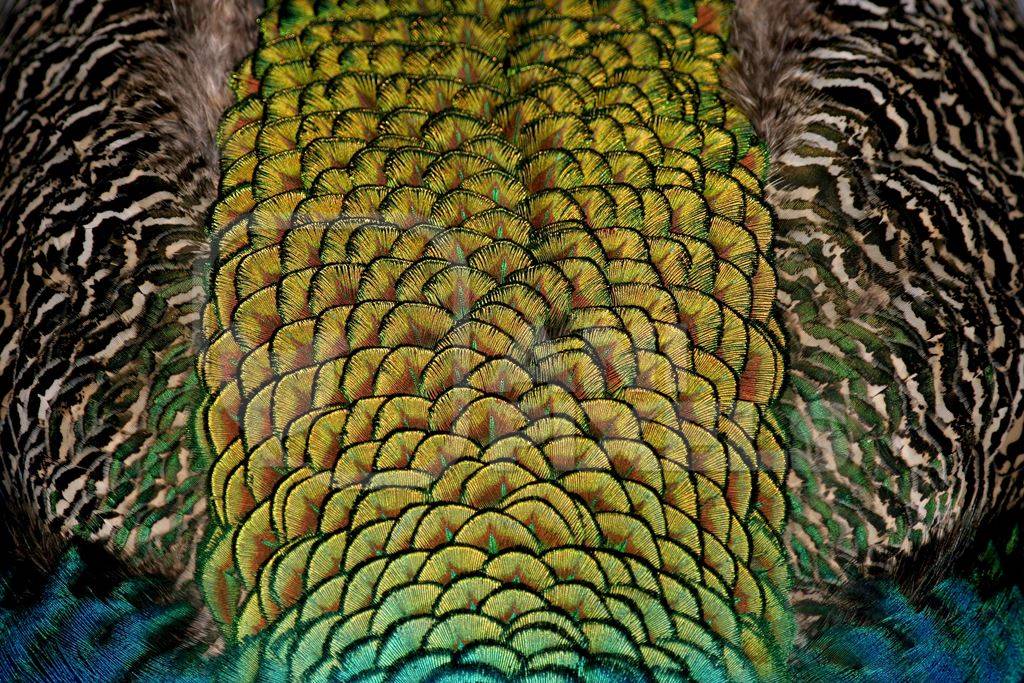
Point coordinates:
pixel 512 340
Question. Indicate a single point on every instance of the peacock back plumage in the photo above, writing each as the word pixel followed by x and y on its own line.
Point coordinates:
pixel 491 346
pixel 543 340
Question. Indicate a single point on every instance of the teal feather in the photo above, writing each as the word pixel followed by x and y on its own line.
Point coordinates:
pixel 70 631
pixel 955 635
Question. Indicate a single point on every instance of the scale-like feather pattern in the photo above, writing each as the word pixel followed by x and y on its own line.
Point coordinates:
pixel 491 346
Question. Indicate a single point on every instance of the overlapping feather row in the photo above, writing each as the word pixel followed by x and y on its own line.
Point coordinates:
pixel 491 346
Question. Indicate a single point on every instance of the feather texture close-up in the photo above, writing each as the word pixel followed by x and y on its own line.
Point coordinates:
pixel 512 340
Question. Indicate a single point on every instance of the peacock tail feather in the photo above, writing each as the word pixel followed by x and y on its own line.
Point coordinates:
pixel 490 347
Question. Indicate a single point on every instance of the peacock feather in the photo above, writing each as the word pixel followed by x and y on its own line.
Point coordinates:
pixel 65 628
pixel 969 627
pixel 511 340
pixel 491 347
